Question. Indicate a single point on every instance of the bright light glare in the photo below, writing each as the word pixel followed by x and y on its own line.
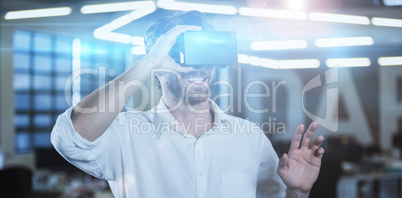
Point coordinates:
pixel 112 36
pixel 348 62
pixel 255 61
pixel 242 58
pixel 295 4
pixel 216 9
pixel 386 22
pixel 47 12
pixel 105 32
pixel 76 79
pixel 137 40
pixel 339 18
pixel 269 63
pixel 390 61
pixel 279 64
pixel 115 7
pixel 298 64
pixel 138 50
pixel 269 13
pixel 275 45
pixel 348 41
pixel 392 2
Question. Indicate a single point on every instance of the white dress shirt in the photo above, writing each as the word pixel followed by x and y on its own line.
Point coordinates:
pixel 148 155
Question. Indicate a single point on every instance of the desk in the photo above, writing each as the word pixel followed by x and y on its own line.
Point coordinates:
pixel 387 185
pixel 47 194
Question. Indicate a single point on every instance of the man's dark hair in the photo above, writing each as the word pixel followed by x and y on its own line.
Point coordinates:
pixel 160 26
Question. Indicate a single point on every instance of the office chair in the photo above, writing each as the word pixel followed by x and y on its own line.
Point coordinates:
pixel 16 182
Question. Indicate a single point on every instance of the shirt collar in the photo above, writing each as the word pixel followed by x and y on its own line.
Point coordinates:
pixel 165 123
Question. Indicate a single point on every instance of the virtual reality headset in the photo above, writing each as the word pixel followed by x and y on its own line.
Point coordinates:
pixel 206 48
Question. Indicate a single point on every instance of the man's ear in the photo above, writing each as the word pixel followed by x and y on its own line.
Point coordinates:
pixel 159 76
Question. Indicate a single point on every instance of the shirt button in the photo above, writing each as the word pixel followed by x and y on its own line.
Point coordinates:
pixel 200 174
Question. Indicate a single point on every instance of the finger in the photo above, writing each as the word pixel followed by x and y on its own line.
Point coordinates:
pixel 320 152
pixel 283 162
pixel 309 134
pixel 317 143
pixel 297 138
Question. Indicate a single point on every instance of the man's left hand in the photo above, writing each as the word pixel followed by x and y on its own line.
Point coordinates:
pixel 300 168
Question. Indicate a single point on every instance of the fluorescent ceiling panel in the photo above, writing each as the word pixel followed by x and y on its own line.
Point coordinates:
pixel 278 45
pixel 137 40
pixel 115 7
pixel 390 61
pixel 138 50
pixel 270 13
pixel 298 64
pixel 339 18
pixel 348 62
pixel 242 58
pixel 279 64
pixel 386 22
pixel 347 41
pixel 37 13
pixel 207 8
pixel 105 32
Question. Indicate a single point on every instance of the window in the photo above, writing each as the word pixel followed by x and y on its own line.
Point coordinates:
pixel 38 75
pixel 42 65
pixel 100 62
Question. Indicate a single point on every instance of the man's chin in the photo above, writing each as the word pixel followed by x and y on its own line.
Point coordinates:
pixel 194 100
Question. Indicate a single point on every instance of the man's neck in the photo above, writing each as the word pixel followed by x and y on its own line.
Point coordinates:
pixel 194 119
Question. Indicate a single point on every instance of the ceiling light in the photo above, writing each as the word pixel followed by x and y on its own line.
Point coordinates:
pixel 298 64
pixel 390 61
pixel 393 2
pixel 270 13
pixel 254 60
pixel 269 63
pixel 112 36
pixel 242 58
pixel 339 18
pixel 295 4
pixel 138 50
pixel 47 12
pixel 216 9
pixel 275 45
pixel 348 62
pixel 137 40
pixel 116 7
pixel 279 64
pixel 76 67
pixel 386 22
pixel 347 41
pixel 105 32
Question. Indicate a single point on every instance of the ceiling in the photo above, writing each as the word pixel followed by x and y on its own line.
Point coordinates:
pixel 248 28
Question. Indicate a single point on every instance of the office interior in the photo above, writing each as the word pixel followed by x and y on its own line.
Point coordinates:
pixel 337 62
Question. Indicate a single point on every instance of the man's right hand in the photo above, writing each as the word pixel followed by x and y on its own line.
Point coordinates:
pixel 92 125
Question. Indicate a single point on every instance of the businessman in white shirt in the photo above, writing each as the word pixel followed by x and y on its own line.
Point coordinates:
pixel 185 146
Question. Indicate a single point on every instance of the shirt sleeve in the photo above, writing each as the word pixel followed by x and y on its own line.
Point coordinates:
pixel 99 158
pixel 269 184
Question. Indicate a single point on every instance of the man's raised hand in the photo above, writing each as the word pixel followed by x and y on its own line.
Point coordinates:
pixel 299 168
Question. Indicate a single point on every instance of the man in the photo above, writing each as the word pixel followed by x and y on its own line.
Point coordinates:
pixel 185 146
